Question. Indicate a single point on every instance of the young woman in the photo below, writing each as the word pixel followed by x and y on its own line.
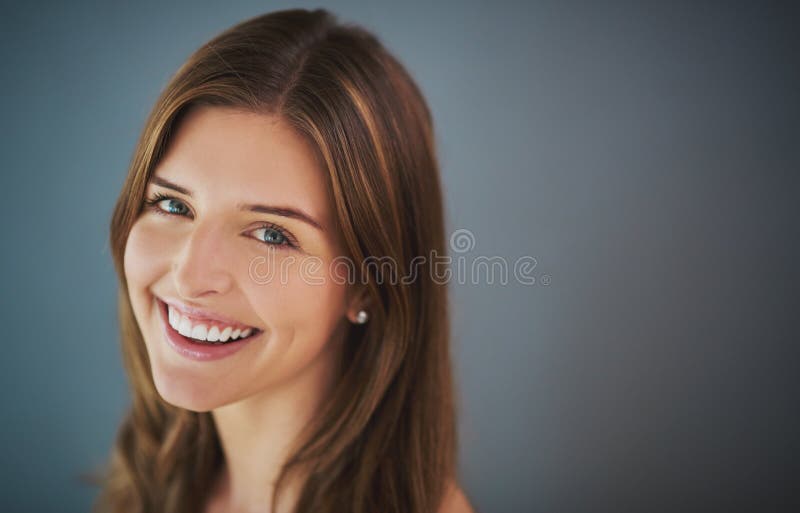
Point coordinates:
pixel 271 369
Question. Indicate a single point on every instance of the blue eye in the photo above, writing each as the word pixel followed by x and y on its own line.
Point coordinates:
pixel 176 207
pixel 173 206
pixel 273 234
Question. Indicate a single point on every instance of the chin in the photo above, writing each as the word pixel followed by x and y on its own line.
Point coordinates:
pixel 185 392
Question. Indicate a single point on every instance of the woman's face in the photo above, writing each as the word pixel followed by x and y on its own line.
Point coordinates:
pixel 205 248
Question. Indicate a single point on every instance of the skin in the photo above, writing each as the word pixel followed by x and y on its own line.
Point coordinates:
pixel 261 396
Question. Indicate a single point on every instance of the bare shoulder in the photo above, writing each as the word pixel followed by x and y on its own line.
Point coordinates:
pixel 455 500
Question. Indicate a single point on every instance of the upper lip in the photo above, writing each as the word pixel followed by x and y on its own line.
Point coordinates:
pixel 203 314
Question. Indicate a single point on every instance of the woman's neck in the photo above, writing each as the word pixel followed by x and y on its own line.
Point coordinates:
pixel 257 433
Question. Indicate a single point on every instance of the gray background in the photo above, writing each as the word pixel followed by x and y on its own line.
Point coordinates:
pixel 645 155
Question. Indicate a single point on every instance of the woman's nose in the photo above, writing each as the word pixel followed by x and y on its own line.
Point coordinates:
pixel 199 268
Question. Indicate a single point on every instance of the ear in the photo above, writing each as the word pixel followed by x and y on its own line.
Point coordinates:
pixel 357 300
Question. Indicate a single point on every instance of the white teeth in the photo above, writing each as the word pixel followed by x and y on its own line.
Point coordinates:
pixel 199 332
pixel 173 318
pixel 184 326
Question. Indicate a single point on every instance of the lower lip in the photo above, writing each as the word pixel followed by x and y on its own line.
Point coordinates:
pixel 186 347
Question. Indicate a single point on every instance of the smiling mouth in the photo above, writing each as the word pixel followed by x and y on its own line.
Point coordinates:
pixel 202 331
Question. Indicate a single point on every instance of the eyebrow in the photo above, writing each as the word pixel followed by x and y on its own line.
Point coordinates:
pixel 263 209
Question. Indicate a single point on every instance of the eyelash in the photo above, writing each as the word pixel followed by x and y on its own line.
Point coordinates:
pixel 152 204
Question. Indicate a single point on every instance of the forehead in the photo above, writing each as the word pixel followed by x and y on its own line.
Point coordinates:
pixel 225 154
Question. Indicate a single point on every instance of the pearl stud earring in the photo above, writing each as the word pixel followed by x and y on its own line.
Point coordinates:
pixel 362 317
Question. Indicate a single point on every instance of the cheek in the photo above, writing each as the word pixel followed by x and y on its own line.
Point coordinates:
pixel 145 255
pixel 303 299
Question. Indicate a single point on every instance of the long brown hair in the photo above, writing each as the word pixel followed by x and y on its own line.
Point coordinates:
pixel 386 441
